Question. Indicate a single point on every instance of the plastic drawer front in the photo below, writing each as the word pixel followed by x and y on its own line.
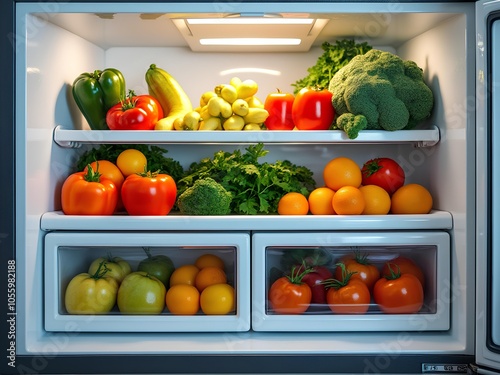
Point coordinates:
pixel 272 254
pixel 70 253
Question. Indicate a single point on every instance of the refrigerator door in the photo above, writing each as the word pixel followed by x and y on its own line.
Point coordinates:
pixel 488 204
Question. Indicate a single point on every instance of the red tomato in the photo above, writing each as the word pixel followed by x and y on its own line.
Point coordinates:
pixel 289 295
pixel 88 193
pixel 403 265
pixel 361 269
pixel 149 193
pixel 279 105
pixel 352 298
pixel 140 112
pixel 313 110
pixel 399 294
pixel 383 172
pixel 315 280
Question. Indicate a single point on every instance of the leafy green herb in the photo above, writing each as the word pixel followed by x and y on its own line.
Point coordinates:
pixel 334 57
pixel 154 155
pixel 256 187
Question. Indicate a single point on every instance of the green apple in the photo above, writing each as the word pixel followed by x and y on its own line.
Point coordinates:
pixel 117 267
pixel 142 294
pixel 160 266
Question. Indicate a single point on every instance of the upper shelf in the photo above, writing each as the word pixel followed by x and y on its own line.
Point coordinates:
pixel 436 220
pixel 75 138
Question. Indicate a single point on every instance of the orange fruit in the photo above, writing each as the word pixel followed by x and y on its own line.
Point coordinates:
pixel 217 299
pixel 209 276
pixel 183 299
pixel 209 260
pixel 348 200
pixel 185 274
pixel 411 199
pixel 320 201
pixel 293 204
pixel 341 172
pixel 377 200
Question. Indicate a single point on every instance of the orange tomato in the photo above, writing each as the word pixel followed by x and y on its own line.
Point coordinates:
pixel 183 299
pixel 217 299
pixel 401 294
pixel 411 199
pixel 361 268
pixel 85 193
pixel 351 298
pixel 209 260
pixel 209 276
pixel 377 200
pixel 341 172
pixel 348 200
pixel 110 171
pixel 403 265
pixel 320 201
pixel 293 204
pixel 185 274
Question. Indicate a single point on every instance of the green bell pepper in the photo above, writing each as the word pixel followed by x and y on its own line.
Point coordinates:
pixel 95 93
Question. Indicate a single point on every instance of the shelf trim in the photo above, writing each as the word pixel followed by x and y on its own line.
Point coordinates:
pixel 69 138
pixel 436 220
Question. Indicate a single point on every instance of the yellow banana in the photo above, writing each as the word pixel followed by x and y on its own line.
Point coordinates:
pixel 170 95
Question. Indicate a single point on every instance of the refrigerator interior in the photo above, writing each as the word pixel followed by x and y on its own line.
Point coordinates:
pixel 60 43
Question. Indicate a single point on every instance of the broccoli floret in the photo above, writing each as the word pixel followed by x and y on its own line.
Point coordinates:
pixel 351 124
pixel 389 92
pixel 205 197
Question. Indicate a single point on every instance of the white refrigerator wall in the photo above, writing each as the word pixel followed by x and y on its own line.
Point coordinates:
pixel 52 57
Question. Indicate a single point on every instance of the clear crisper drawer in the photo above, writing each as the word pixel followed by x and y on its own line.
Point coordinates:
pixel 70 253
pixel 274 255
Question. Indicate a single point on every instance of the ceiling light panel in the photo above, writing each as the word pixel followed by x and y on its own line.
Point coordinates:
pixel 253 33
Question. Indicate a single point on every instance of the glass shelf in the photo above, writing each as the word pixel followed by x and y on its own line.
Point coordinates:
pixel 75 138
pixel 436 220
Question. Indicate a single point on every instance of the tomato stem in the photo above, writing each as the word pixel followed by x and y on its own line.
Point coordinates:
pixel 337 284
pixel 393 275
pixel 298 273
pixel 91 175
pixel 101 271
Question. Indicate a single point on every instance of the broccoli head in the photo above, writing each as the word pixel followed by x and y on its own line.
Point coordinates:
pixel 389 92
pixel 205 197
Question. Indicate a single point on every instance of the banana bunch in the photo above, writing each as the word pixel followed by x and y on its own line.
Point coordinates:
pixel 171 96
pixel 232 106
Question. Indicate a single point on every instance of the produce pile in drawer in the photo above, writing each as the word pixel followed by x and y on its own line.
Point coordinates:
pixel 350 281
pixel 141 180
pixel 150 284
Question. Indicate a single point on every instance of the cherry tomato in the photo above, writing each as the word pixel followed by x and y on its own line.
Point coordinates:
pixel 347 295
pixel 88 193
pixel 140 112
pixel 279 105
pixel 361 268
pixel 313 110
pixel 289 295
pixel 383 172
pixel 404 265
pixel 149 193
pixel 399 294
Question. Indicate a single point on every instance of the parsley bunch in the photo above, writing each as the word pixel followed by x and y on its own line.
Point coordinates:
pixel 334 57
pixel 256 187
